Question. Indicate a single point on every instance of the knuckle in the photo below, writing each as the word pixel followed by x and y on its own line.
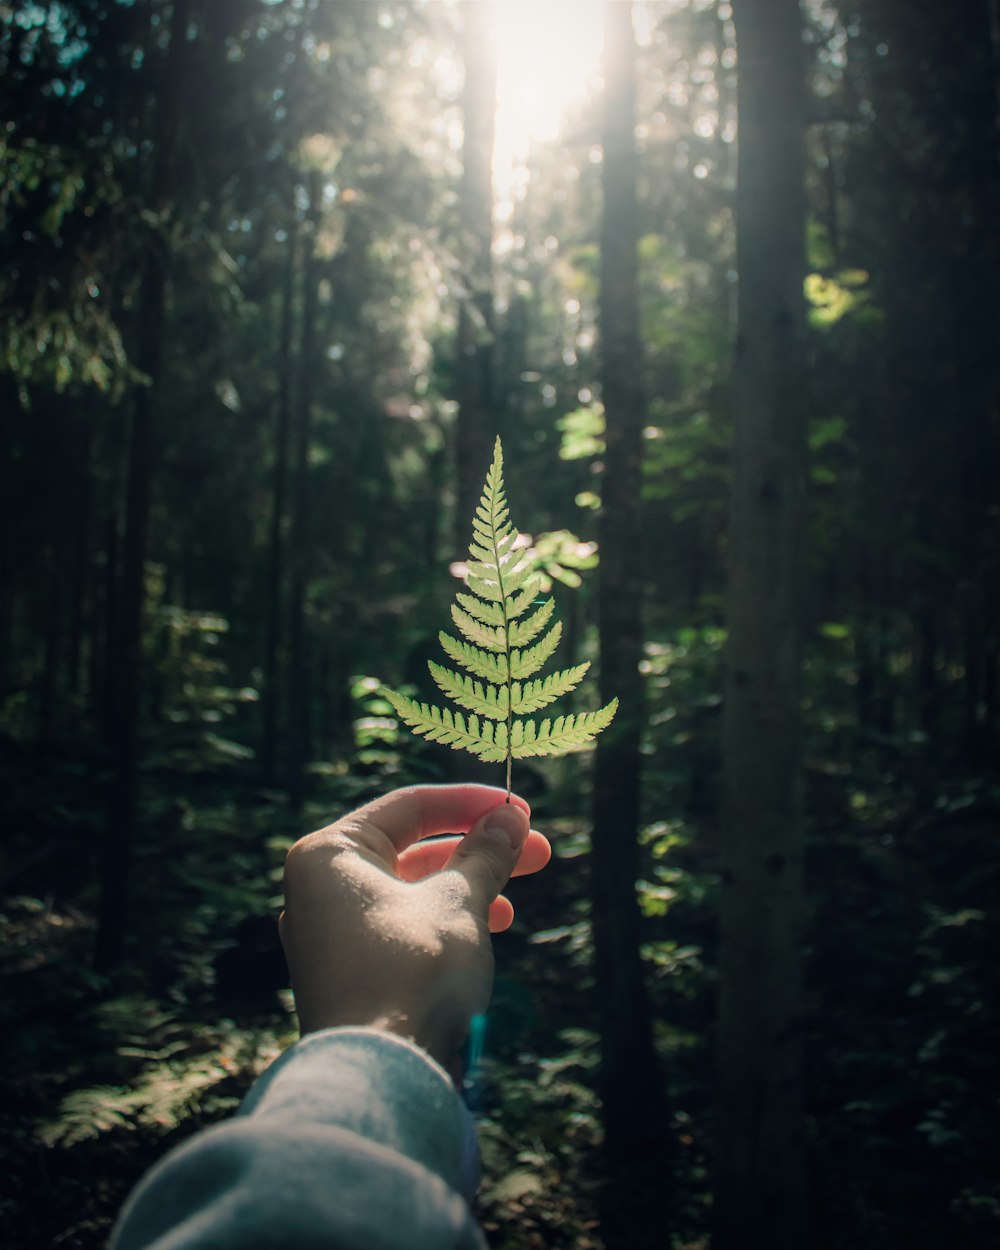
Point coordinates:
pixel 304 855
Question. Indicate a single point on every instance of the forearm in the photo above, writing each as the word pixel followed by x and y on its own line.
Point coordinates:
pixel 353 1140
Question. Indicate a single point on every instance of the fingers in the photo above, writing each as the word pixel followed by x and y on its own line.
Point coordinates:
pixel 426 857
pixel 486 856
pixel 405 816
pixel 501 914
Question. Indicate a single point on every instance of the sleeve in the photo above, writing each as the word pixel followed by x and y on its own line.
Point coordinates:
pixel 352 1140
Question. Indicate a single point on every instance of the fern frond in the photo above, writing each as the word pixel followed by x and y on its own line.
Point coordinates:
pixel 517 577
pixel 564 734
pixel 485 588
pixel 492 613
pixel 493 548
pixel 487 700
pixel 489 637
pixel 521 632
pixel 493 668
pixel 530 696
pixel 524 663
pixel 487 739
pixel 517 605
pixel 488 613
pixel 498 618
pixel 484 571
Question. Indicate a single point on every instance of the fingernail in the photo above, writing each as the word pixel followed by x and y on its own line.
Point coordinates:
pixel 508 822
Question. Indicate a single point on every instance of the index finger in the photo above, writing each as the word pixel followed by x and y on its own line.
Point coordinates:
pixel 414 812
pixel 427 857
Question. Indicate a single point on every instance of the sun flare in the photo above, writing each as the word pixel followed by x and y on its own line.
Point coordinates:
pixel 549 54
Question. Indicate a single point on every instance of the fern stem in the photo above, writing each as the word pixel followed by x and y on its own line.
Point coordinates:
pixel 506 634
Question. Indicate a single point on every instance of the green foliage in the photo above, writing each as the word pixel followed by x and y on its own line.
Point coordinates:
pixel 558 554
pixel 536 1144
pixel 497 631
pixel 182 1068
pixel 899 681
pixel 834 296
pixel 582 432
pixel 58 323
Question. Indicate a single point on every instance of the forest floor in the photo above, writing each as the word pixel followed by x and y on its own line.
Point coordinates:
pixel 100 1076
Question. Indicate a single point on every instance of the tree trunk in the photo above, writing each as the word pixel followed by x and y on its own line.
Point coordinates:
pixel 80 573
pixel 276 545
pixel 9 564
pixel 54 616
pixel 629 1077
pixel 474 365
pixel 301 536
pixel 760 1195
pixel 104 627
pixel 125 660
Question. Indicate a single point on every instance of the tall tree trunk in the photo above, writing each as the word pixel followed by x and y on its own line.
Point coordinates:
pixel 54 615
pixel 976 275
pixel 126 658
pixel 629 1077
pixel 474 365
pixel 80 573
pixel 105 625
pixel 760 1195
pixel 9 566
pixel 301 547
pixel 276 545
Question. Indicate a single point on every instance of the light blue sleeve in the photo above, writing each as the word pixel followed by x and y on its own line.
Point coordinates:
pixel 353 1140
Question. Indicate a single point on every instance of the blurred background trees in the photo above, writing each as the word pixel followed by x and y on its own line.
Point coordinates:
pixel 251 337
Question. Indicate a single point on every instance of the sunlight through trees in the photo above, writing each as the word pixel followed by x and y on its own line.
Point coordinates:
pixel 274 276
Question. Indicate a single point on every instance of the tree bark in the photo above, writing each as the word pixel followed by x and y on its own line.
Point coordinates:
pixel 9 568
pixel 301 546
pixel 760 1197
pixel 81 572
pixel 54 616
pixel 629 1075
pixel 475 429
pixel 279 505
pixel 125 660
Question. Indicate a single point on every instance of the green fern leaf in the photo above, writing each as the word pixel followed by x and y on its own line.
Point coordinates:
pixel 521 632
pixel 487 613
pixel 484 587
pixel 489 637
pixel 565 733
pixel 524 663
pixel 485 739
pixel 493 668
pixel 481 697
pixel 530 696
pixel 502 587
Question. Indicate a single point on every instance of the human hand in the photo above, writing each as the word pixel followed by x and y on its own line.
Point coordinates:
pixel 384 930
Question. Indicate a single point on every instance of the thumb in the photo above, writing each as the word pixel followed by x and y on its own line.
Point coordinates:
pixel 487 854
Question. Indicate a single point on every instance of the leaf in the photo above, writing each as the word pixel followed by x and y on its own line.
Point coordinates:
pixel 517 605
pixel 487 700
pixel 484 739
pixel 524 631
pixel 503 585
pixel 491 637
pixel 481 663
pixel 530 696
pixel 488 613
pixel 524 663
pixel 565 733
